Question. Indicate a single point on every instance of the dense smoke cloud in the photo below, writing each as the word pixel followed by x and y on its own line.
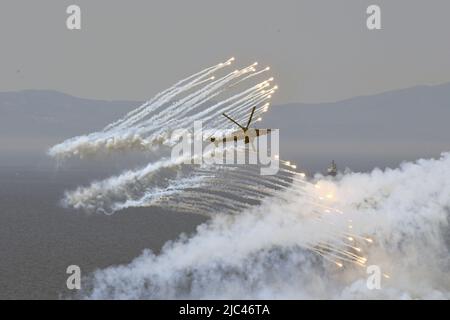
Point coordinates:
pixel 268 251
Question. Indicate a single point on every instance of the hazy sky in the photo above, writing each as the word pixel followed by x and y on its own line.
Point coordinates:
pixel 318 50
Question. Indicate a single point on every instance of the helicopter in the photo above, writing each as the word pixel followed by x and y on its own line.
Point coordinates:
pixel 246 133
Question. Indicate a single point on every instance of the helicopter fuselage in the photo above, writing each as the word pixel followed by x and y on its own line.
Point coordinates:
pixel 246 135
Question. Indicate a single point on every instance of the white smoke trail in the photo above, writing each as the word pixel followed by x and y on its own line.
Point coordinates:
pixel 270 251
pixel 144 187
pixel 106 195
pixel 151 124
pixel 167 95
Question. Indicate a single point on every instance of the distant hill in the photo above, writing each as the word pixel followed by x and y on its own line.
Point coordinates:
pixel 51 113
pixel 362 132
pixel 33 120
